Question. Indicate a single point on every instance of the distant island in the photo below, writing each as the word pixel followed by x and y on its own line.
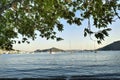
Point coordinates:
pixel 53 49
pixel 113 46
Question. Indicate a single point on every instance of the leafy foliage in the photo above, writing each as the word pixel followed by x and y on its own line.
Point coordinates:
pixel 27 16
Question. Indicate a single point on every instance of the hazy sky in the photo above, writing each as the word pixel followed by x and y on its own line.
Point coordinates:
pixel 73 36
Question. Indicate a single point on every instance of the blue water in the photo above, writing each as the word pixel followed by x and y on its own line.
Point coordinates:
pixel 102 64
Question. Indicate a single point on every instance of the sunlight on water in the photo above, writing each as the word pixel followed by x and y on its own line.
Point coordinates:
pixel 40 65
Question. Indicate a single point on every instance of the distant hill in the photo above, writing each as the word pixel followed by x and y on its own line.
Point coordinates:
pixel 113 46
pixel 53 49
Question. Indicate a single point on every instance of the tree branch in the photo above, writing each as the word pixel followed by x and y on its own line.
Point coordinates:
pixel 116 13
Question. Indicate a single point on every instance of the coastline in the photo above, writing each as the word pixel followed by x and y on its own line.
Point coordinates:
pixel 9 52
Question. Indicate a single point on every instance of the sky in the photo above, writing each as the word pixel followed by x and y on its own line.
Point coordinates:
pixel 73 36
pixel 74 39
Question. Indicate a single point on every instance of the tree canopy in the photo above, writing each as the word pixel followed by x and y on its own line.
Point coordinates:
pixel 27 16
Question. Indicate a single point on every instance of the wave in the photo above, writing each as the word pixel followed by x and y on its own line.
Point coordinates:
pixel 106 76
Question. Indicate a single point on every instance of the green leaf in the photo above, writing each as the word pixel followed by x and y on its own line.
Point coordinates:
pixel 99 42
pixel 59 39
pixel 85 34
pixel 19 42
pixel 105 32
pixel 108 29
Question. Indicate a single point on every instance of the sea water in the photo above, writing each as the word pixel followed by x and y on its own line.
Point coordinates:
pixel 103 64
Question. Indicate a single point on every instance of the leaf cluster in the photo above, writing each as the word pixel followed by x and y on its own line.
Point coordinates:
pixel 25 17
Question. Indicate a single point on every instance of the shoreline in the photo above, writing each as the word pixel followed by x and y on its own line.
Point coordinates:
pixel 9 52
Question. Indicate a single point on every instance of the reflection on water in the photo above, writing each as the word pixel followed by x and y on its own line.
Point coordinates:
pixel 42 65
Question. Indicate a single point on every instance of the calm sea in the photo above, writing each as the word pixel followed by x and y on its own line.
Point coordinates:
pixel 103 64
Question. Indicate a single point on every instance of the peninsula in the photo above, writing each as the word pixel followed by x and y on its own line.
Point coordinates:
pixel 113 46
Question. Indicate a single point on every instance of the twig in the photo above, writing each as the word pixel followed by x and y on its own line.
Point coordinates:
pixel 116 12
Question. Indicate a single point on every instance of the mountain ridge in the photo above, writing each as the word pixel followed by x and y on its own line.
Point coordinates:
pixel 53 49
pixel 112 46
